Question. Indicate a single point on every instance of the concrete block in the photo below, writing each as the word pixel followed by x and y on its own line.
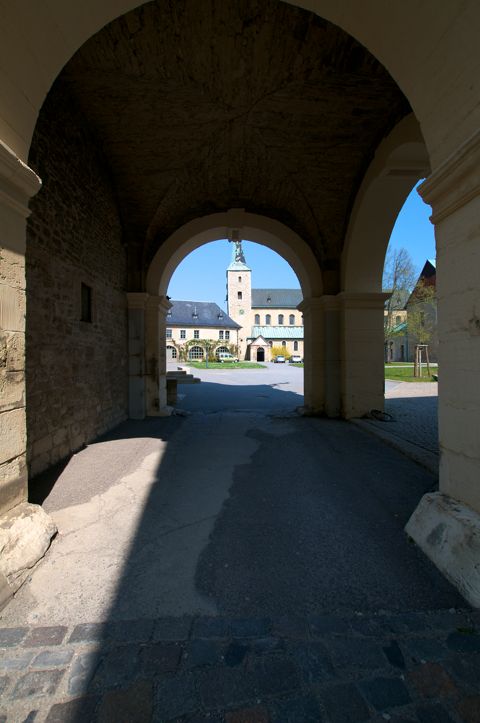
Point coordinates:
pixel 448 532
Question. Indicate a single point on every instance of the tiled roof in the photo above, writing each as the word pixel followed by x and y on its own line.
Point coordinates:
pixel 198 314
pixel 277 332
pixel 279 298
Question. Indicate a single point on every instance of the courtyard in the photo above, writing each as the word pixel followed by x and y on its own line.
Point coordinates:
pixel 236 557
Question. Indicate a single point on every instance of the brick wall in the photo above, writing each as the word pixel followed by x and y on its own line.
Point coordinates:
pixel 76 370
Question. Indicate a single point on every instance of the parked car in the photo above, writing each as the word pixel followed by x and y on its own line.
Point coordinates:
pixel 296 359
pixel 279 359
pixel 225 356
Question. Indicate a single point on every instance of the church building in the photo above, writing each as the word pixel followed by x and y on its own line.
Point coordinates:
pixel 268 317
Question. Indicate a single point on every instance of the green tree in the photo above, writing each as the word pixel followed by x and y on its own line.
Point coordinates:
pixel 422 313
pixel 280 351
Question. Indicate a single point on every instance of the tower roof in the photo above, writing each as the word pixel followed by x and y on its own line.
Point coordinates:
pixel 238 258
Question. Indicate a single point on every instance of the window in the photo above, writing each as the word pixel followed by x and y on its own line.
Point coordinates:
pixel 196 352
pixel 268 320
pixel 257 318
pixel 239 295
pixel 291 319
pixel 86 303
pixel 183 334
pixel 280 319
pixel 284 343
pixel 295 346
pixel 171 352
pixel 196 334
pixel 239 279
pixel 169 333
pixel 220 334
pixel 221 350
pixel 398 320
pixel 227 335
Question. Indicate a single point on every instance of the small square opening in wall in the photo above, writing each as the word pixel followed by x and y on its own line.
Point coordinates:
pixel 86 303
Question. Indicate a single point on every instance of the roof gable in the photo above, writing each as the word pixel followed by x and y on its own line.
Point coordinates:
pixel 198 314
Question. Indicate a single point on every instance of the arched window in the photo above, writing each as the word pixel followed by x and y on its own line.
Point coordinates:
pixel 291 319
pixel 196 352
pixel 398 320
pixel 280 319
pixel 295 346
pixel 239 279
pixel 284 343
pixel 257 318
pixel 268 320
pixel 171 352
pixel 239 294
pixel 221 350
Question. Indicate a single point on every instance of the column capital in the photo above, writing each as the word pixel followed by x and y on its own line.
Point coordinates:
pixel 18 183
pixel 455 182
pixel 137 299
pixel 358 300
pixel 143 300
pixel 311 304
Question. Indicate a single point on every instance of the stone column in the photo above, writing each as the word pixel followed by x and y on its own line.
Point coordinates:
pixel 321 355
pixel 361 346
pixel 137 397
pixel 446 524
pixel 25 530
pixel 155 353
pixel 147 355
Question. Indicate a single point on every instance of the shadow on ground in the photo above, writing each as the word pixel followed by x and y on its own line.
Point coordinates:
pixel 259 516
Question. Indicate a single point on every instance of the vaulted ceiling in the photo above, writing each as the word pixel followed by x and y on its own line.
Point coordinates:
pixel 205 106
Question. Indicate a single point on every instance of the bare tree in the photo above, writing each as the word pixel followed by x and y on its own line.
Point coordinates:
pixel 399 277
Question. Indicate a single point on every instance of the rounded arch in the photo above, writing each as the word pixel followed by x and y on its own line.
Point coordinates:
pixel 251 227
pixel 39 42
pixel 400 161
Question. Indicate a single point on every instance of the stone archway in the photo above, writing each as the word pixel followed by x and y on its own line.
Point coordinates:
pixel 253 227
pixel 37 44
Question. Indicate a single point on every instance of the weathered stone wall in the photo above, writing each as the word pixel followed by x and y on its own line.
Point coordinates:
pixel 76 370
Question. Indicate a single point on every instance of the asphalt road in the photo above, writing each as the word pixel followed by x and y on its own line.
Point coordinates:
pixel 240 508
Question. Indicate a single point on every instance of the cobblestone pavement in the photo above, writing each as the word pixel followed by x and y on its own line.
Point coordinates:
pixel 413 426
pixel 422 667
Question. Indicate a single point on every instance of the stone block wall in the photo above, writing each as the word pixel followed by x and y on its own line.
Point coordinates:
pixel 76 374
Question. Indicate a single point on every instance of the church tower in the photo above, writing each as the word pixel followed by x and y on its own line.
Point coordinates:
pixel 239 293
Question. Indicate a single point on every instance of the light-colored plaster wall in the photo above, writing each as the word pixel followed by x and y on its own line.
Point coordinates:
pixel 76 371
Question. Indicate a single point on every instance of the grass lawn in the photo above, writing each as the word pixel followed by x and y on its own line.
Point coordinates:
pixel 403 364
pixel 295 364
pixel 225 365
pixel 405 374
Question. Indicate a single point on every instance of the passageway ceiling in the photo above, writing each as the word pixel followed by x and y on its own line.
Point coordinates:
pixel 205 106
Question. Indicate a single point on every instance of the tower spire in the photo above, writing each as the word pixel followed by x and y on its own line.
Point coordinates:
pixel 238 257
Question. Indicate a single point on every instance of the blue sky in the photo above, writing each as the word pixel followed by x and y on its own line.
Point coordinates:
pixel 201 276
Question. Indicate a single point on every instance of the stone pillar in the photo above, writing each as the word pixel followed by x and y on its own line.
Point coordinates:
pixel 321 355
pixel 147 355
pixel 362 334
pixel 137 397
pixel 25 530
pixel 446 524
pixel 155 353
